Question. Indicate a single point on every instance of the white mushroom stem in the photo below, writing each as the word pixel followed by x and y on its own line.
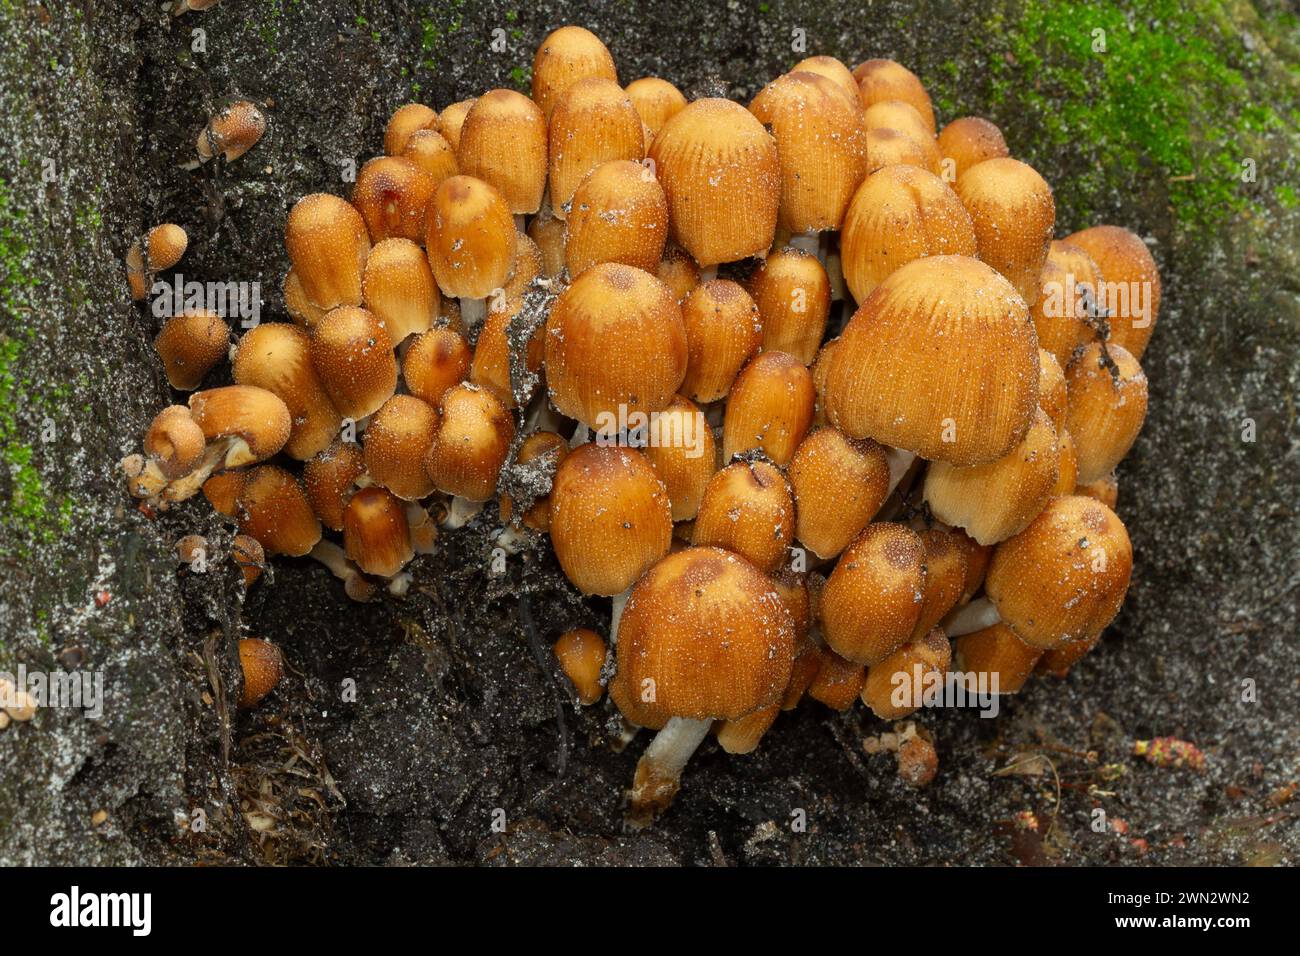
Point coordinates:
pixel 336 559
pixel 460 512
pixel 616 615
pixel 659 773
pixel 472 312
pixel 835 273
pixel 581 435
pixel 512 539
pixel 899 462
pixel 809 242
pixel 708 272
pixel 975 616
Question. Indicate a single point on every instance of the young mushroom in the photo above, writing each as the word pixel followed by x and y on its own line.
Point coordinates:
pixel 434 362
pixel 685 456
pixel 723 332
pixel 276 356
pixel 353 356
pixel 406 121
pixel 747 509
pixel 272 508
pixel 905 119
pixel 191 345
pixel 706 637
pixel 329 480
pixel 656 101
pixel 162 249
pixel 470 243
pixel 968 141
pixel 882 80
pixel 1013 212
pixel 398 287
pixel 262 667
pixel 835 71
pixel 566 56
pixel 996 650
pixel 504 143
pixel 1068 302
pixel 618 214
pixel 328 243
pixel 1107 406
pixel 430 151
pixel 470 442
pixel 376 534
pixel 396 442
pixel 839 484
pixel 793 296
pixel 451 121
pixel 581 653
pixel 593 123
pixel 770 408
pixel 873 598
pixel 392 194
pixel 231 132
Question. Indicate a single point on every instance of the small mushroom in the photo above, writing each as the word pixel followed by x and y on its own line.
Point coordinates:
pixel 724 330
pixel 276 356
pixel 262 666
pixel 839 484
pixel 376 532
pixel 395 444
pixel 231 132
pixel 881 80
pixel 686 461
pixel 353 356
pixel 504 143
pixel 1013 212
pixel 873 598
pixel 593 122
pixel 618 214
pixel 434 362
pixel 770 408
pixel 398 287
pixel 581 653
pixel 1107 407
pixel 392 194
pixel 470 243
pixel 656 101
pixel 747 509
pixel 968 141
pixel 566 56
pixel 470 443
pixel 328 244
pixel 406 121
pixel 1129 270
pixel 793 294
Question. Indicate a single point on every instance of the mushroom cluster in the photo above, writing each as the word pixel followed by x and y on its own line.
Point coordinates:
pixel 808 389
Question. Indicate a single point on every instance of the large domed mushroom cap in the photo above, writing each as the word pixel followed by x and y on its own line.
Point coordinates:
pixel 941 360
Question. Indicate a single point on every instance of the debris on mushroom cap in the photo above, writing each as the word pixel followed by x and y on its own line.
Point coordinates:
pixel 276 356
pixel 839 484
pixel 1013 212
pixel 614 302
pixel 723 331
pixel 770 408
pixel 941 359
pixel 566 56
pixel 1107 407
pixel 610 517
pixel 997 499
pixel 581 653
pixel 1068 311
pixel 262 666
pixel 618 214
pixel 1064 577
pixel 232 131
pixel 503 142
pixel 873 598
pixel 471 238
pixel 747 509
pixel 593 122
pixel 899 214
pixel 190 345
pixel 329 480
pixel 970 140
pixel 534 469
pixel 404 123
pixel 793 295
pixel 710 632
pixel 1126 264
pixel 722 175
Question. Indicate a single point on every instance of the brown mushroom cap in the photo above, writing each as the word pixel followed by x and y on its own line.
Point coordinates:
pixel 1064 577
pixel 490 368
pixel 276 356
pixel 1107 408
pixel 892 147
pixel 904 118
pixel 1053 395
pixel 399 288
pixel 1129 271
pixel 1104 489
pixel 997 650
pixel 376 533
pixel 566 56
pixel 300 307
pixel 900 214
pixel 945 577
pixel 942 360
pixel 353 355
pixel 793 295
pixel 836 72
pixel 435 156
pixel 549 234
pixel 392 194
pixel 968 141
pixel 328 243
pixel 452 120
pixel 710 633
pixel 434 362
pixel 656 101
pixel 405 122
pixel 618 214
pixel 839 484
pixel 678 271
pixel 1013 212
pixel 503 143
pixel 190 345
pixel 329 480
pixel 880 80
pixel 610 517
pixel 685 456
pixel 255 416
pixel 471 238
pixel 722 175
pixel 272 507
pixel 249 555
pixel 593 123
pixel 175 441
pixel 470 443
pixel 821 142
pixel 897 673
pixel 837 682
pixel 770 408
pixel 581 653
pixel 262 667
pixel 614 339
pixel 1067 477
pixel 997 499
pixel 395 445
pixel 747 509
pixel 232 132
pixel 872 599
pixel 1069 282
pixel 165 245
pixel 723 331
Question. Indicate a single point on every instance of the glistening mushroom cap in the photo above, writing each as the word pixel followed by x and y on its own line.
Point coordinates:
pixel 968 141
pixel 593 123
pixel 1107 406
pixel 392 194
pixel 503 143
pixel 470 443
pixel 272 507
pixel 353 355
pixel 747 509
pixel 399 288
pixel 566 56
pixel 880 80
pixel 839 484
pixel 395 444
pixel 175 441
pixel 276 356
pixel 190 345
pixel 941 359
pixel 1013 212
pixel 723 331
pixel 471 238
pixel 618 214
pixel 376 533
pixel 256 418
pixel 872 600
pixel 710 633
pixel 328 243
pixel 770 408
pixel 793 294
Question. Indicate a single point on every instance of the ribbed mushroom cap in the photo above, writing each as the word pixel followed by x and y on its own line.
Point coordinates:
pixel 232 131
pixel 770 408
pixel 190 345
pixel 262 667
pixel 1130 272
pixel 404 123
pixel 392 194
pixel 471 238
pixel 838 681
pixel 941 359
pixel 678 271
pixel 747 509
pixel 684 456
pixel 836 72
pixel 968 141
pixel 395 444
pixel 710 633
pixel 165 245
pixel 1053 395
pixel 581 653
pixel 821 142
pixel 436 157
pixel 328 243
pixel 997 499
pixel 723 331
pixel 470 443
pixel 1104 489
pixel 618 214
pixel 256 416
pixel 329 480
pixel 1067 469
pixel 997 650
pixel 593 123
pixel 527 267
pixel 376 533
pixel 945 577
pixel 892 147
pixel 272 507
pixel 549 234
pixel 722 175
pixel 1064 577
pixel 399 289
pixel 932 653
pixel 1013 212
pixel 610 517
pixel 839 484
pixel 434 362
pixel 900 214
pixel 300 307
pixel 656 101
pixel 566 56
pixel 452 120
pixel 1108 404
pixel 872 600
pixel 1059 660
pixel 353 355
pixel 793 295
pixel 175 441
pixel 490 368
pixel 880 80
pixel 904 118
pixel 614 339
pixel 276 356
pixel 503 143
pixel 1068 288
